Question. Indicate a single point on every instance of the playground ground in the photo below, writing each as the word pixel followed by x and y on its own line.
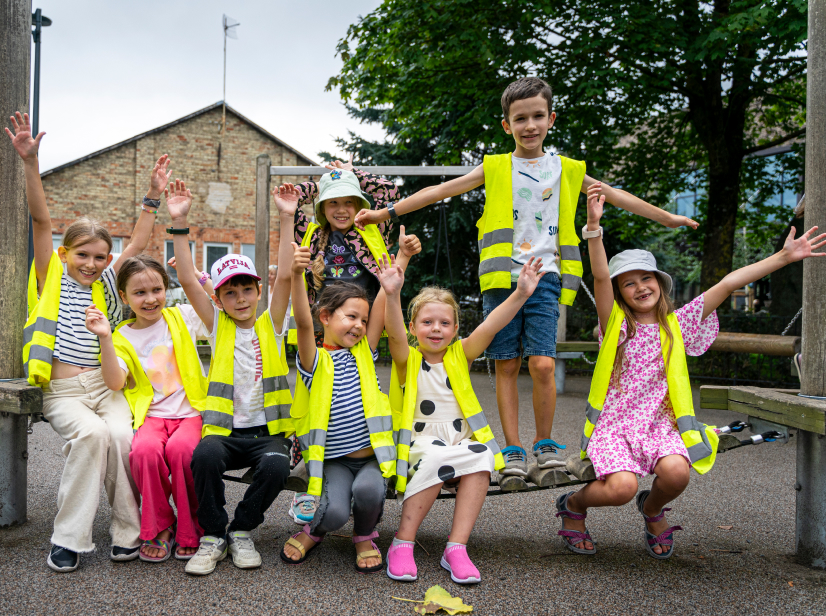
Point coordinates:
pixel 749 569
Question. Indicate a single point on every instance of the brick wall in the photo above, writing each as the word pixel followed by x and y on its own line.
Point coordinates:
pixel 110 186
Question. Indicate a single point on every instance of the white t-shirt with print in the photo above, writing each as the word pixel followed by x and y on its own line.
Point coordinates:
pixel 248 388
pixel 156 354
pixel 536 183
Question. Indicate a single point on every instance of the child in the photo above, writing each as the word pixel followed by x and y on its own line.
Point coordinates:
pixel 444 437
pixel 640 418
pixel 342 419
pixel 153 359
pixel 246 416
pixel 531 198
pixel 62 357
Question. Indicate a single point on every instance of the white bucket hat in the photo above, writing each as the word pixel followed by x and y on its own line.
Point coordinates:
pixel 336 184
pixel 630 260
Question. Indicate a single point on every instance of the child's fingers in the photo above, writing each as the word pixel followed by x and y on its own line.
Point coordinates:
pixel 8 132
pixel 401 231
pixel 14 124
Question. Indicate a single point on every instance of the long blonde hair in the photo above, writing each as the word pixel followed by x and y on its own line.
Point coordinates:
pixel 663 308
pixel 432 295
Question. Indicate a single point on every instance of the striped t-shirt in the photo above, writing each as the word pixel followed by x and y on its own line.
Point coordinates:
pixel 347 429
pixel 74 344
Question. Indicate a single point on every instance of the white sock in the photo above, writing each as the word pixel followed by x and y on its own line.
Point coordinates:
pixel 450 544
pixel 397 541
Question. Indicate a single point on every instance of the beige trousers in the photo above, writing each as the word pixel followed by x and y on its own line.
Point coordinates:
pixel 96 424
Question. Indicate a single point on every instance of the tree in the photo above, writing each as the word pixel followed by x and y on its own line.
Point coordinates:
pixel 653 95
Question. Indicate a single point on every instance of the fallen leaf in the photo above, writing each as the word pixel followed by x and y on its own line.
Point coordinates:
pixel 791 584
pixel 437 598
pixel 725 527
pixel 701 557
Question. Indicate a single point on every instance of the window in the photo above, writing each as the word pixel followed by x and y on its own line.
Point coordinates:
pixel 214 251
pixel 57 240
pixel 169 252
pixel 248 250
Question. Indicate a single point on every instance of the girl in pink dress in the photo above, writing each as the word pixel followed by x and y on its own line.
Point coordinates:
pixel 639 415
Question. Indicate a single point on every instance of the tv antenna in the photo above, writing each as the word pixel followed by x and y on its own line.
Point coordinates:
pixel 229 24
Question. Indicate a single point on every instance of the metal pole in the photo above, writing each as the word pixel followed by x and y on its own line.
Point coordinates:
pixel 810 533
pixel 37 19
pixel 262 227
pixel 15 50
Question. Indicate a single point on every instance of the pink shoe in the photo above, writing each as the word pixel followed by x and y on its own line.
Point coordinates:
pixel 400 563
pixel 462 570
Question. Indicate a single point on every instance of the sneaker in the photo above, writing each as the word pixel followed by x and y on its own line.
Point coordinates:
pixel 462 570
pixel 211 551
pixel 516 461
pixel 123 554
pixel 302 509
pixel 62 560
pixel 242 549
pixel 547 453
pixel 401 565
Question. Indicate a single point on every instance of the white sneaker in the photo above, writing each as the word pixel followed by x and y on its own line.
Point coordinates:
pixel 242 549
pixel 211 551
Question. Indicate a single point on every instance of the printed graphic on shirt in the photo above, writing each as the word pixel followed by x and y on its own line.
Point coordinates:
pixel 162 369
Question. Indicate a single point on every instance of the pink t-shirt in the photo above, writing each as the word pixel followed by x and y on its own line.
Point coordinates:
pixel 156 353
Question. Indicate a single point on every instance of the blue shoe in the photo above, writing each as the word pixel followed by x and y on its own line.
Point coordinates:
pixel 302 509
pixel 516 461
pixel 547 453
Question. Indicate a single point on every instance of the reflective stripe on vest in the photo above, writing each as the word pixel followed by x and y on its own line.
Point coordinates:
pixel 311 414
pixel 41 326
pixel 700 440
pixel 495 235
pixel 403 403
pixel 218 411
pixel 186 358
pixel 372 239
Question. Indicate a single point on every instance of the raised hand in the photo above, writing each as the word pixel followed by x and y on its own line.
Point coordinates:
pixel 529 277
pixel 802 247
pixel 97 323
pixel 409 244
pixel 159 177
pixel 595 204
pixel 391 276
pixel 676 221
pixel 286 198
pixel 178 199
pixel 366 217
pixel 22 140
pixel 338 164
pixel 301 258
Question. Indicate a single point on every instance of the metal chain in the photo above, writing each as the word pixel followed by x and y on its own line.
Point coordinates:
pixel 789 326
pixel 30 429
pixel 490 376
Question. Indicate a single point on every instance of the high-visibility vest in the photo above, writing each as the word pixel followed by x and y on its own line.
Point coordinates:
pixel 217 415
pixel 496 226
pixel 311 414
pixel 403 404
pixel 372 239
pixel 41 326
pixel 186 356
pixel 700 440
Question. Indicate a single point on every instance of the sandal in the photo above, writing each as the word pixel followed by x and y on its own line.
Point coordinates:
pixel 179 556
pixel 298 546
pixel 166 546
pixel 361 556
pixel 573 538
pixel 665 538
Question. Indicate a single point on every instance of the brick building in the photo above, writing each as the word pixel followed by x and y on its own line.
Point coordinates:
pixel 108 185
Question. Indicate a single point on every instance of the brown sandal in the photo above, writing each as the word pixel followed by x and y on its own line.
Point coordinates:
pixel 374 553
pixel 305 553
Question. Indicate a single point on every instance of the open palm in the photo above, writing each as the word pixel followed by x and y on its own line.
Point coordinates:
pixel 286 198
pixel 178 199
pixel 21 139
pixel 391 276
pixel 803 247
pixel 160 175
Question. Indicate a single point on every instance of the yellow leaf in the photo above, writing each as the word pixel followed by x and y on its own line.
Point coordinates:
pixel 437 598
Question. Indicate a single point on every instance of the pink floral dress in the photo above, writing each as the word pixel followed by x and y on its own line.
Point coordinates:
pixel 637 426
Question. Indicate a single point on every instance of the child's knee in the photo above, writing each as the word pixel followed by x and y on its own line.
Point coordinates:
pixel 623 488
pixel 145 452
pixel 674 472
pixel 208 457
pixel 368 495
pixel 332 515
pixel 541 367
pixel 508 368
pixel 274 465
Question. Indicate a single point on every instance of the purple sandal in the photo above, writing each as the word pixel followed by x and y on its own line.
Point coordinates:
pixel 665 539
pixel 573 538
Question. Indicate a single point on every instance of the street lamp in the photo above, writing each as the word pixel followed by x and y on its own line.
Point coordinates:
pixel 39 21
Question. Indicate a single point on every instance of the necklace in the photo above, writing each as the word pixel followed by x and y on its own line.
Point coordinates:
pixel 331 347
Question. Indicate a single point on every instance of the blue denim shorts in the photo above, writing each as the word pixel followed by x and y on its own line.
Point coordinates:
pixel 533 330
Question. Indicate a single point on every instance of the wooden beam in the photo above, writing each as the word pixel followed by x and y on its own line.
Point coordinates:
pixel 577 346
pixel 20 398
pixel 779 407
pixel 262 228
pixel 714 397
pixel 735 342
pixel 378 170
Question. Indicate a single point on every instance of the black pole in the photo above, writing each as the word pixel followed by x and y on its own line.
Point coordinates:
pixel 37 22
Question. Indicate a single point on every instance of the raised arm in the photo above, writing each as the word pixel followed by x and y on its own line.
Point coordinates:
pixel 179 201
pixel 391 277
pixel 603 290
pixel 475 344
pixel 628 202
pixel 146 221
pixel 425 197
pixel 301 307
pixel 286 201
pixel 113 375
pixel 27 148
pixel 793 250
pixel 375 326
pixel 409 246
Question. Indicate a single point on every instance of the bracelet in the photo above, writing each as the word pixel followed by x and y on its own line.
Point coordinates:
pixel 203 279
pixel 155 203
pixel 146 209
pixel 391 209
pixel 587 235
pixel 174 231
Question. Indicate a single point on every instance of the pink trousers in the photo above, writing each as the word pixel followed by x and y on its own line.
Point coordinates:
pixel 162 448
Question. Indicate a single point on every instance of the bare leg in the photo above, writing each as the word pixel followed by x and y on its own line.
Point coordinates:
pixel 507 398
pixel 414 511
pixel 470 497
pixel 544 394
pixel 617 489
pixel 673 474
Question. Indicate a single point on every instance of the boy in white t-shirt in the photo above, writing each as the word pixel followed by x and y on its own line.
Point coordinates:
pixel 531 198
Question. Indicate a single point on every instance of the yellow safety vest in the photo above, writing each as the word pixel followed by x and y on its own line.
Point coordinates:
pixel 700 440
pixel 311 414
pixel 372 239
pixel 403 403
pixel 186 356
pixel 496 226
pixel 217 413
pixel 41 326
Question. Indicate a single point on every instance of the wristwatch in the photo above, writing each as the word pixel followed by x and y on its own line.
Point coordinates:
pixel 391 209
pixel 153 203
pixel 587 235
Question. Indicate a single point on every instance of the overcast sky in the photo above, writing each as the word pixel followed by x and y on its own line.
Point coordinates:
pixel 113 69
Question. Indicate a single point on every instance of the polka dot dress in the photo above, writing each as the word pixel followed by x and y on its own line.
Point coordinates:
pixel 442 446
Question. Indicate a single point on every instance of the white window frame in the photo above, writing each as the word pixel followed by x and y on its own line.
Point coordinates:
pixel 208 245
pixel 253 249
pixel 167 256
pixel 57 240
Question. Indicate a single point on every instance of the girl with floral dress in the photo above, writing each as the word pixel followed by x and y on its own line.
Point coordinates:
pixel 640 419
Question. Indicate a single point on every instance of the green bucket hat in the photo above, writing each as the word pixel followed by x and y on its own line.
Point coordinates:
pixel 336 184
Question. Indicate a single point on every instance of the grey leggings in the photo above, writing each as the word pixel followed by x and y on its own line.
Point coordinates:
pixel 346 478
